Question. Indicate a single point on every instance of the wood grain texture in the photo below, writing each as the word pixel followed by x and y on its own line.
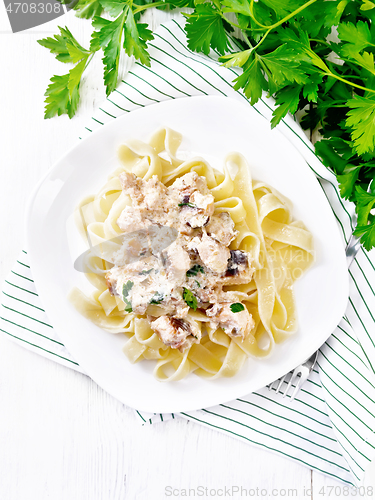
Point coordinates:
pixel 62 436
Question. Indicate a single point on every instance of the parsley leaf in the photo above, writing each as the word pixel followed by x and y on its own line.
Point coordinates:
pixel 237 307
pixel 126 287
pixel 284 65
pixel 205 29
pixel 357 36
pixel 287 99
pixel 361 118
pixel 114 7
pixel 367 234
pixel 57 101
pixel 193 271
pixel 62 94
pixel 347 180
pixel 187 204
pixel 112 35
pixel 135 41
pixel 237 6
pixel 366 221
pixel 109 37
pixel 157 298
pixel 190 299
pixel 65 47
pixel 86 9
pixel 148 271
pixel 365 203
pixel 252 80
pixel 57 45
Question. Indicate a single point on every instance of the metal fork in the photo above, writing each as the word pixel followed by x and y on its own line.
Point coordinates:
pixel 304 369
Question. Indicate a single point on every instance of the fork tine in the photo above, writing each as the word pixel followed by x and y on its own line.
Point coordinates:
pixel 272 384
pixel 292 379
pixel 299 384
pixel 277 384
pixel 281 381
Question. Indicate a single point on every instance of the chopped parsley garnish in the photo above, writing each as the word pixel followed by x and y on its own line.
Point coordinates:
pixel 190 299
pixel 195 270
pixel 187 204
pixel 157 298
pixel 198 284
pixel 148 271
pixel 237 307
pixel 126 287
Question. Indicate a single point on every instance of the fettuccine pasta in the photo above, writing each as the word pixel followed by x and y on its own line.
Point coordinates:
pixel 214 288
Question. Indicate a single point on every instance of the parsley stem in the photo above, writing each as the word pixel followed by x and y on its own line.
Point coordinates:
pixel 89 60
pixel 232 23
pixel 282 21
pixel 262 39
pixel 297 11
pixel 251 9
pixel 317 40
pixel 140 8
pixel 352 84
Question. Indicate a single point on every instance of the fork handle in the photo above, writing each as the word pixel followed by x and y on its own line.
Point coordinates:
pixel 352 249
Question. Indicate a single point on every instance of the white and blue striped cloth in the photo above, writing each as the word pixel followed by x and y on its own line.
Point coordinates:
pixel 330 426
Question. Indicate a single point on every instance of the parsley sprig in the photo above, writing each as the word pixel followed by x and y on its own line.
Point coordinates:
pixel 284 49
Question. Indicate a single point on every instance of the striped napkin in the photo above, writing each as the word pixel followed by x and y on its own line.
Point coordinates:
pixel 330 426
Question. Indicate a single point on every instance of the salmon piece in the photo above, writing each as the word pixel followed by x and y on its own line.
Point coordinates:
pixel 133 186
pixel 221 228
pixel 235 325
pixel 177 262
pixel 213 254
pixel 176 333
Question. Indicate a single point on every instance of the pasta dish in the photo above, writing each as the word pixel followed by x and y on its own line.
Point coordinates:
pixel 195 266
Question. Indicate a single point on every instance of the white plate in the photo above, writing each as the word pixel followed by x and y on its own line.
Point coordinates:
pixel 212 127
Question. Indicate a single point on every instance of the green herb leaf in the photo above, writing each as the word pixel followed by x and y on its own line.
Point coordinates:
pixel 190 299
pixel 148 271
pixel 187 204
pixel 64 46
pixel 367 234
pixel 57 101
pixel 157 298
pixel 237 6
pixel 206 29
pixel 62 95
pixel 357 36
pixel 237 307
pixel 135 40
pixel 252 80
pixel 361 118
pixel 126 287
pixel 109 38
pixel 347 181
pixel 283 65
pixel 114 7
pixel 287 99
pixel 86 9
pixel 193 271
